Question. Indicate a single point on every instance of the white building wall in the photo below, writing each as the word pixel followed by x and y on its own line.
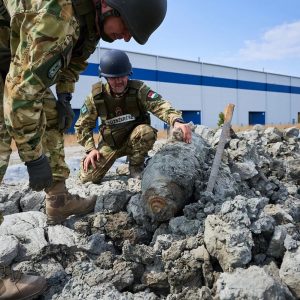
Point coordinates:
pixel 84 86
pixel 295 100
pixel 249 101
pixel 196 86
pixel 278 104
pixel 278 108
pixel 214 101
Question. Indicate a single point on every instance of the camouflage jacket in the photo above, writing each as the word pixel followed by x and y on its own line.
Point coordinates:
pixel 148 101
pixel 82 43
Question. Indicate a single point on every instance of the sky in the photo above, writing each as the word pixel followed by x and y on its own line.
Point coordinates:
pixel 261 35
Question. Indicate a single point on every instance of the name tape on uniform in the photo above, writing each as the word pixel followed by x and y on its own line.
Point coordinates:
pixel 120 119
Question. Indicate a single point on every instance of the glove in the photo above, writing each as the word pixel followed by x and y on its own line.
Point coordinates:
pixel 65 111
pixel 40 175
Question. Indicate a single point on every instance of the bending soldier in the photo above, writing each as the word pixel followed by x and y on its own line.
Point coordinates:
pixel 50 42
pixel 123 107
pixel 5 139
pixel 14 284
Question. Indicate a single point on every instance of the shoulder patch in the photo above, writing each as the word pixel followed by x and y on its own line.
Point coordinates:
pixel 97 88
pixel 152 95
pixel 84 109
pixel 53 70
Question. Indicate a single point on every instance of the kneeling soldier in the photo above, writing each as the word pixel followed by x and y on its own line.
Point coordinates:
pixel 122 105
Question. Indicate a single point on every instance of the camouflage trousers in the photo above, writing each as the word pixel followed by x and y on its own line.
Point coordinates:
pixel 5 139
pixel 1 217
pixel 53 140
pixel 140 141
pixel 42 33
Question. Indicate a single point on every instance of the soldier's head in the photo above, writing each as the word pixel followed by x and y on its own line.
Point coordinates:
pixel 115 67
pixel 120 19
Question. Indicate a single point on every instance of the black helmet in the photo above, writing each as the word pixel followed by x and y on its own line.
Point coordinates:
pixel 115 63
pixel 142 17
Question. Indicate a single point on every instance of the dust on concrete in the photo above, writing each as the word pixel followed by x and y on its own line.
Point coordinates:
pixel 70 152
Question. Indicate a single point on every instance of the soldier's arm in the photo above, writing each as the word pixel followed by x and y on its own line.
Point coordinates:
pixel 161 108
pixel 86 123
pixel 70 75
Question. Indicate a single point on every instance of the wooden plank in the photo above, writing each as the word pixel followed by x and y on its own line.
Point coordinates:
pixel 225 135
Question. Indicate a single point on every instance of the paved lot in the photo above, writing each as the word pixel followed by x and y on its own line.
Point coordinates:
pixel 71 152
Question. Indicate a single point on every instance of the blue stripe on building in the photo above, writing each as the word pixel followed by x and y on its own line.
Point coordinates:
pixel 181 78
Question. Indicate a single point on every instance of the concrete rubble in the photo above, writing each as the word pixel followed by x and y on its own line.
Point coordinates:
pixel 240 242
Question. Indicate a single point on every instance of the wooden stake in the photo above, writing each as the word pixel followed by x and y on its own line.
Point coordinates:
pixel 225 135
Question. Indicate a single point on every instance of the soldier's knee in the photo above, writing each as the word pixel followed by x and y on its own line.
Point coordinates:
pixel 146 133
pixel 83 178
pixel 25 115
pixel 149 136
pixel 92 175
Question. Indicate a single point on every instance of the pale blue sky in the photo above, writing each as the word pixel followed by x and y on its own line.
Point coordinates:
pixel 252 34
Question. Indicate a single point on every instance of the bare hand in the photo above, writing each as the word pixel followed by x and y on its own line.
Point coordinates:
pixel 91 158
pixel 186 130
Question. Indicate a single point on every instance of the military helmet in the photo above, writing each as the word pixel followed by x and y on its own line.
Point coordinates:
pixel 142 17
pixel 115 63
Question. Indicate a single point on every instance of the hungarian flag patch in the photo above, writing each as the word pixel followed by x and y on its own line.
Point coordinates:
pixel 152 95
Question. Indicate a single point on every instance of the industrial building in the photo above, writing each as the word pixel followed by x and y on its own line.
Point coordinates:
pixel 201 90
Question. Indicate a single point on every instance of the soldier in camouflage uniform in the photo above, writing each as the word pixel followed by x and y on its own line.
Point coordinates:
pixel 5 139
pixel 52 138
pixel 14 285
pixel 123 107
pixel 50 42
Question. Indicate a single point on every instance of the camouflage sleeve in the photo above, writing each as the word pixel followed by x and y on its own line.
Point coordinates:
pixel 86 123
pixel 70 75
pixel 161 108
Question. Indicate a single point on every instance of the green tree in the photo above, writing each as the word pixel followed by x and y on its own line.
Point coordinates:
pixel 221 119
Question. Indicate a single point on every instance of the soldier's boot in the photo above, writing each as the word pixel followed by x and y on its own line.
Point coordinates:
pixel 60 204
pixel 15 285
pixel 135 171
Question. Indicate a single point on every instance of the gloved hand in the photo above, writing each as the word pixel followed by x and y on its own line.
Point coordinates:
pixel 40 175
pixel 64 110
